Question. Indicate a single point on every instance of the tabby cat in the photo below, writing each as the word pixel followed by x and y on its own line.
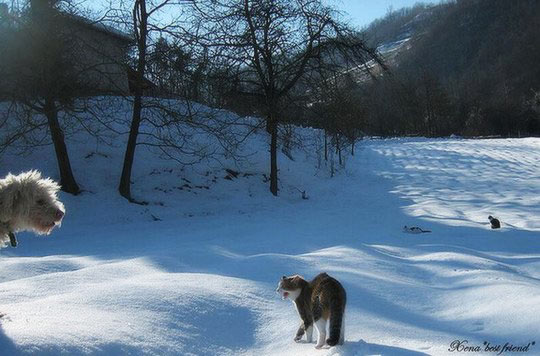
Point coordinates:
pixel 317 302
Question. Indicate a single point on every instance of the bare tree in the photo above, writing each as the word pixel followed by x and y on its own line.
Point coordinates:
pixel 163 118
pixel 340 111
pixel 41 76
pixel 271 44
pixel 142 27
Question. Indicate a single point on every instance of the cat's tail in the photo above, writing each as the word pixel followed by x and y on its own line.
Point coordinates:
pixel 337 313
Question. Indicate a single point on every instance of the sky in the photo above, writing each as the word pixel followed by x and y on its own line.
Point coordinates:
pixel 359 12
pixel 362 12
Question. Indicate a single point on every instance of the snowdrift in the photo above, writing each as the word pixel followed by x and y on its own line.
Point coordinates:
pixel 194 271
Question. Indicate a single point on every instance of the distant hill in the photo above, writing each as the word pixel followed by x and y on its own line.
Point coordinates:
pixel 399 26
pixel 479 57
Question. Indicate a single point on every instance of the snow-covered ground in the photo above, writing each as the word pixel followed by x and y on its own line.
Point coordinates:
pixel 195 271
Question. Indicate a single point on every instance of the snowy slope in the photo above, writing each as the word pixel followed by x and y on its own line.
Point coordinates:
pixel 194 272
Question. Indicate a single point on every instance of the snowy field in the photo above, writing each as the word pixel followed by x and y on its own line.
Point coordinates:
pixel 195 271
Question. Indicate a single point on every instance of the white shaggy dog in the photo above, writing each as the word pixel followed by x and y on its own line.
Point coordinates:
pixel 28 202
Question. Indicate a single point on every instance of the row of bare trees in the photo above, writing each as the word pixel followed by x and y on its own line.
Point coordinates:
pixel 279 52
pixel 468 68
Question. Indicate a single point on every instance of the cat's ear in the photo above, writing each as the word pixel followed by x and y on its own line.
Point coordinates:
pixel 284 277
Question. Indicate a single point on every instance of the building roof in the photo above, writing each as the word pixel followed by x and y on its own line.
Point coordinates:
pixel 9 19
pixel 100 27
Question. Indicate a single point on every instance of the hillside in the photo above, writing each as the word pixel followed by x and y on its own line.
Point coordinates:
pixel 460 67
pixel 391 33
pixel 194 272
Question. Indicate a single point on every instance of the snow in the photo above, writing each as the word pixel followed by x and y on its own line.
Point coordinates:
pixel 194 272
pixel 388 47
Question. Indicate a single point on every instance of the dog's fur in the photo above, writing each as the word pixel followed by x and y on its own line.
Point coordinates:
pixel 28 202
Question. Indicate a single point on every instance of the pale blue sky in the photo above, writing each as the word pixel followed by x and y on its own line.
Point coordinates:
pixel 362 12
pixel 358 12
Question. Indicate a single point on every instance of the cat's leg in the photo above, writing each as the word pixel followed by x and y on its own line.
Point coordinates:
pixel 320 325
pixel 305 328
pixel 309 334
pixel 299 333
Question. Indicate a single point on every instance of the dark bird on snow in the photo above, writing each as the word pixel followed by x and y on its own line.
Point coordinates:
pixel 495 223
pixel 414 230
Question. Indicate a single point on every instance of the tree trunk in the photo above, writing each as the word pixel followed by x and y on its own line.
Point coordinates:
pixel 273 156
pixel 125 179
pixel 338 145
pixel 429 106
pixel 352 147
pixel 325 146
pixel 67 180
pixel 140 22
pixel 269 125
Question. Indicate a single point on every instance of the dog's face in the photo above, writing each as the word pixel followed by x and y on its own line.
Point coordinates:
pixel 290 287
pixel 31 202
pixel 46 211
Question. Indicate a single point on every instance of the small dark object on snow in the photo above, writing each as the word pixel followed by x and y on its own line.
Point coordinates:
pixel 233 174
pixel 414 230
pixel 12 239
pixel 303 192
pixel 495 223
